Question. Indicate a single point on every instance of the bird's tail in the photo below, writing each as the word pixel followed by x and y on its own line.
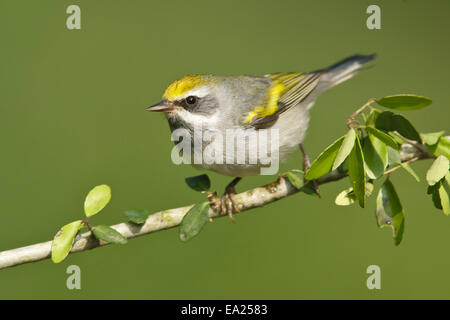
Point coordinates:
pixel 343 70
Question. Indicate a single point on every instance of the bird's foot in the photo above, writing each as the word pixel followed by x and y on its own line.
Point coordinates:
pixel 226 204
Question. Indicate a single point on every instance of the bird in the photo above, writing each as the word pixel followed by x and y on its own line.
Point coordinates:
pixel 251 104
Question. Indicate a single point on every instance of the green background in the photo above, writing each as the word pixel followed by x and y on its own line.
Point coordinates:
pixel 72 116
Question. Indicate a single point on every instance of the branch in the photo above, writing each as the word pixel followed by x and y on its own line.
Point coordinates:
pixel 170 218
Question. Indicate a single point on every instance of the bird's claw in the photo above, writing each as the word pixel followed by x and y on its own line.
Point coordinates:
pixel 225 205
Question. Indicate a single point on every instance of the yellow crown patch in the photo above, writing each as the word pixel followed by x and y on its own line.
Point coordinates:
pixel 183 85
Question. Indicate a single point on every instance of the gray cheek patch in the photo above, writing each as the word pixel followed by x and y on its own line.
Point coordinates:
pixel 205 106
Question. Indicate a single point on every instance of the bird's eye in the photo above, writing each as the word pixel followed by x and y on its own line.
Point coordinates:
pixel 191 100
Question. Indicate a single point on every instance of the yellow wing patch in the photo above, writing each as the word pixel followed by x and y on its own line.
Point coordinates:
pixel 271 105
pixel 183 85
pixel 288 88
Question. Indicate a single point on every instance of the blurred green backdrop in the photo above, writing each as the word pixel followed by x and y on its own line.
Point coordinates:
pixel 72 117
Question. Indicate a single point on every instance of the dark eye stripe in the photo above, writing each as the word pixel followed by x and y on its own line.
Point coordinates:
pixel 189 105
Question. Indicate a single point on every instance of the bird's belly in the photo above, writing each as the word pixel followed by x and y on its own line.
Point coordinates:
pixel 244 157
pixel 261 154
pixel 232 170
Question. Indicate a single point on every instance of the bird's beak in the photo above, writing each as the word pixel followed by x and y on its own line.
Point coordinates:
pixel 162 106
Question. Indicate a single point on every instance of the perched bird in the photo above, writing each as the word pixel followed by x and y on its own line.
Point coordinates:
pixel 279 101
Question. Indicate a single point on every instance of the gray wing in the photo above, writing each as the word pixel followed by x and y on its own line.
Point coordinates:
pixel 295 88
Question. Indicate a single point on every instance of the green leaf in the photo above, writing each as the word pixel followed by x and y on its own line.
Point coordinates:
pixel 410 170
pixel 345 149
pixel 309 189
pixel 63 240
pixel 404 102
pixel 444 195
pixel 347 196
pixel 109 234
pixel 388 121
pixel 356 172
pixel 397 139
pixel 324 162
pixel 393 156
pixel 199 183
pixel 438 170
pixel 343 167
pixel 138 216
pixel 434 191
pixel 389 211
pixel 97 199
pixel 442 147
pixel 387 139
pixel 295 177
pixel 194 220
pixel 431 138
pixel 375 157
pixel 373 116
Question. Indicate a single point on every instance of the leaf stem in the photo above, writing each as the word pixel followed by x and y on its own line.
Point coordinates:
pixel 387 172
pixel 351 119
pixel 88 225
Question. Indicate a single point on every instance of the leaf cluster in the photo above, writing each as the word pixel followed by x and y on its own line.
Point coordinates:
pixel 95 201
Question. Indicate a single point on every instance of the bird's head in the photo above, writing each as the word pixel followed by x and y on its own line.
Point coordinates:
pixel 189 98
